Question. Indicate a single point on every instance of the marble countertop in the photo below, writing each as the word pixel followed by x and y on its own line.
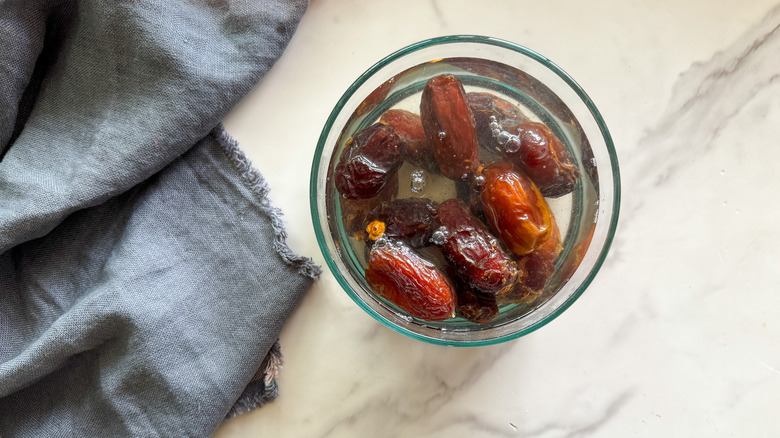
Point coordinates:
pixel 679 333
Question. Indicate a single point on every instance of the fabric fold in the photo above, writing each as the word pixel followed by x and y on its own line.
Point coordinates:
pixel 144 273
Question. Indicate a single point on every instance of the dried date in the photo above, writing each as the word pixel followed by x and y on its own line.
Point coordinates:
pixel 486 105
pixel 540 154
pixel 409 127
pixel 515 209
pixel 477 307
pixel 369 161
pixel 449 126
pixel 354 212
pixel 411 220
pixel 537 269
pixel 470 248
pixel 401 276
pixel 472 305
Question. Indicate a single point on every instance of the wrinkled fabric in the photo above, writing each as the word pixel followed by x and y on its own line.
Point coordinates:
pixel 144 273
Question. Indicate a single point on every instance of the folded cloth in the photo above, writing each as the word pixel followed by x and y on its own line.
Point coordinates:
pixel 144 274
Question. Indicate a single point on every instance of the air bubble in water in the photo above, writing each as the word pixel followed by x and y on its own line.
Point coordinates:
pixel 495 128
pixel 418 181
pixel 512 145
pixel 439 237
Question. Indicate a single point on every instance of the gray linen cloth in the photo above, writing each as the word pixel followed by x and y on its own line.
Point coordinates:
pixel 144 274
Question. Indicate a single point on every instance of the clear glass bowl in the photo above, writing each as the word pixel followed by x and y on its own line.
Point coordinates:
pixel 587 218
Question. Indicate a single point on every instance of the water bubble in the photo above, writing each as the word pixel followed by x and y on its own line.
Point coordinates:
pixel 502 137
pixel 381 242
pixel 442 135
pixel 512 145
pixel 418 181
pixel 439 236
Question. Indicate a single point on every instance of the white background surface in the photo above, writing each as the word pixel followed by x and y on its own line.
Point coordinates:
pixel 679 334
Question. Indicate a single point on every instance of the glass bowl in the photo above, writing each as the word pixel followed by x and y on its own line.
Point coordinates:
pixel 587 217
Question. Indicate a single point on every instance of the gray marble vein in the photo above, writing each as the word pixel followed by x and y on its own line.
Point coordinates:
pixel 704 99
pixel 423 390
pixel 588 422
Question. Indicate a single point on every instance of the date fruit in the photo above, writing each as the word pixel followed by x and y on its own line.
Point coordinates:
pixel 369 161
pixel 398 274
pixel 515 209
pixel 449 126
pixel 484 106
pixel 354 212
pixel 541 155
pixel 411 220
pixel 537 269
pixel 470 248
pixel 474 306
pixel 477 307
pixel 409 127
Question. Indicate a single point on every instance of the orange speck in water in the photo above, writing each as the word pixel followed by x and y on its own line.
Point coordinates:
pixel 375 229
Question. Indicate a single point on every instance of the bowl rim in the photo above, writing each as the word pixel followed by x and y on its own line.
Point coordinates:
pixel 449 39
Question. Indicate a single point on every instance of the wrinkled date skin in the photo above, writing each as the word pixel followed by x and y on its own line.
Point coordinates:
pixel 484 106
pixel 476 307
pixel 515 209
pixel 398 274
pixel 543 158
pixel 470 248
pixel 408 126
pixel 369 162
pixel 449 126
pixel 537 269
pixel 355 211
pixel 473 306
pixel 411 220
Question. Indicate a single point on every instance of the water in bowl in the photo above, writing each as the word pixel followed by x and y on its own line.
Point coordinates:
pixel 575 213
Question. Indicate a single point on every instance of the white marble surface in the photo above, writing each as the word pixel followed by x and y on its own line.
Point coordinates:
pixel 679 334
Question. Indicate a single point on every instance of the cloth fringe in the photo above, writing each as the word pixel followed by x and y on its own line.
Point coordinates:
pixel 263 388
pixel 256 182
